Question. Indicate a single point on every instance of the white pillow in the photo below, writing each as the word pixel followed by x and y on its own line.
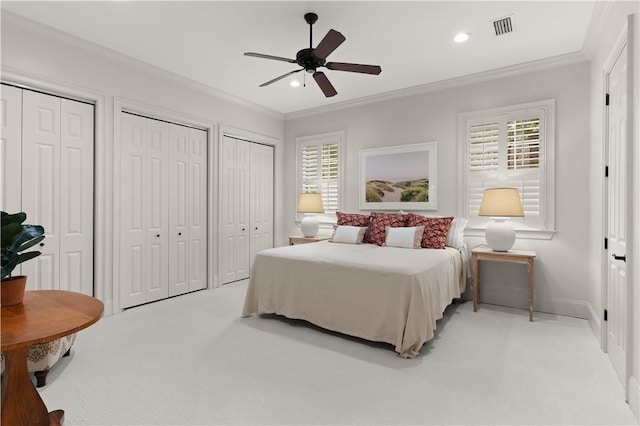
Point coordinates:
pixel 405 237
pixel 348 234
pixel 455 237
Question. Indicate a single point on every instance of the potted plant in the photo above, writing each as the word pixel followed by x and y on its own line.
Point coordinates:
pixel 16 238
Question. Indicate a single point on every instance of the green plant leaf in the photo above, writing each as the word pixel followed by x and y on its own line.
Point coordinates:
pixel 9 232
pixel 13 218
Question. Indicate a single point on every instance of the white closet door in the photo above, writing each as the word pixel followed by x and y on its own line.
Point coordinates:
pixel 10 149
pixel 132 270
pixel 76 197
pixel 243 209
pixel 41 184
pixel 157 209
pixel 197 209
pixel 261 198
pixel 228 184
pixel 179 210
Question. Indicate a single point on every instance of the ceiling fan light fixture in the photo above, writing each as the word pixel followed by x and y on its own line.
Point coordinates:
pixel 294 83
pixel 461 37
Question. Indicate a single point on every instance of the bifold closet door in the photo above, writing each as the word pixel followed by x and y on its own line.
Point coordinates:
pixel 144 210
pixel 188 209
pixel 261 196
pixel 57 190
pixel 235 181
pixel 10 149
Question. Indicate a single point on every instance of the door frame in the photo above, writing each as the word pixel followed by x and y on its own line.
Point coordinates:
pixel 625 39
pixel 101 170
pixel 121 105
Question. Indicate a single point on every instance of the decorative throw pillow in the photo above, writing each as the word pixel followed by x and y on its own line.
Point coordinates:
pixel 455 237
pixel 352 219
pixel 405 237
pixel 436 229
pixel 379 221
pixel 348 234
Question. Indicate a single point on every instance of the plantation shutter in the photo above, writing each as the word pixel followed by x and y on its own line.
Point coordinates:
pixel 319 169
pixel 506 151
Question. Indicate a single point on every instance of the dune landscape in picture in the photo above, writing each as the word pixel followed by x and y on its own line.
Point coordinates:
pixel 400 177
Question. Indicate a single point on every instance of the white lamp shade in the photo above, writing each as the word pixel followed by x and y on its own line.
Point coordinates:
pixel 310 203
pixel 501 202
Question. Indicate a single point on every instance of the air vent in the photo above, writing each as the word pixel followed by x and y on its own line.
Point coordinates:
pixel 503 25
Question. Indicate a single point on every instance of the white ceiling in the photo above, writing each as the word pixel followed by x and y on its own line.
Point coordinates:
pixel 412 41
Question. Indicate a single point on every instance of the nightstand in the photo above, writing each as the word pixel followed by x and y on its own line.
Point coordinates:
pixel 304 240
pixel 514 256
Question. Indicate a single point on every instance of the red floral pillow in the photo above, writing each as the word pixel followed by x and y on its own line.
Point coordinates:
pixel 435 229
pixel 379 221
pixel 352 219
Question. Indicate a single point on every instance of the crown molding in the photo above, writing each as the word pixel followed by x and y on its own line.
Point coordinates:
pixel 94 48
pixel 524 68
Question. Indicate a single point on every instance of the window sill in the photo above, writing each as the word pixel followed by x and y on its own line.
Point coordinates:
pixel 527 234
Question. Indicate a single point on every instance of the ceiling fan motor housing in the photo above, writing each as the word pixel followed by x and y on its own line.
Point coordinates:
pixel 307 60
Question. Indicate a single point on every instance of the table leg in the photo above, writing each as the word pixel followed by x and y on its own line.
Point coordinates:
pixel 476 282
pixel 21 402
pixel 530 270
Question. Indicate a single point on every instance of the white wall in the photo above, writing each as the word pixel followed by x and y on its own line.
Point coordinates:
pixel 608 23
pixel 44 58
pixel 561 269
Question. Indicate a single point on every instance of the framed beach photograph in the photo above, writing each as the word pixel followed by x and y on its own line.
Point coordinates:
pixel 402 177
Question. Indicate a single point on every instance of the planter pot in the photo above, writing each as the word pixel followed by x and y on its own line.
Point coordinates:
pixel 12 290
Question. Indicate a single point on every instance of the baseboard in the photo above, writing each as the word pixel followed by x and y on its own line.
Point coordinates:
pixel 506 296
pixel 634 396
pixel 594 323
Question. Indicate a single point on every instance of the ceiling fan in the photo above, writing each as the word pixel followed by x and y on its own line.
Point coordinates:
pixel 311 59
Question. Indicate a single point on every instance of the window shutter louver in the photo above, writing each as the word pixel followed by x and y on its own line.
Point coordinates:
pixel 506 151
pixel 320 171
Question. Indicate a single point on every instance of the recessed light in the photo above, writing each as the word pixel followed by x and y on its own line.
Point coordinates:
pixel 294 83
pixel 461 38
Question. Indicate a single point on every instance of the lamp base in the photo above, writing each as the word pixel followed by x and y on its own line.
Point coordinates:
pixel 309 225
pixel 500 235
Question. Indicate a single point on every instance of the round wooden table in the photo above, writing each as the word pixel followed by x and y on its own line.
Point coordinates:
pixel 45 315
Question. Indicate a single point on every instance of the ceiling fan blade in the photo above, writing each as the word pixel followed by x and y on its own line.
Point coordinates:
pixel 280 78
pixel 329 43
pixel 364 69
pixel 277 58
pixel 324 83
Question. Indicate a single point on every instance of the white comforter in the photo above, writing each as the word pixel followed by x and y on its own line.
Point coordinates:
pixel 382 294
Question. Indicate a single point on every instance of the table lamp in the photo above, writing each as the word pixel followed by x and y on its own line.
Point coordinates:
pixel 310 204
pixel 500 204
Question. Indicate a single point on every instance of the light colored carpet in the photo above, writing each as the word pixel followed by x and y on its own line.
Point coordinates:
pixel 193 360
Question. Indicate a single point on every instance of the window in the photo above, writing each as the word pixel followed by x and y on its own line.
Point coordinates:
pixel 319 160
pixel 510 147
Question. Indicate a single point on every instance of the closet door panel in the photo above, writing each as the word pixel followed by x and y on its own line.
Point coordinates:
pixel 197 209
pixel 10 150
pixel 157 209
pixel 261 198
pixel 41 184
pixel 133 273
pixel 243 202
pixel 76 197
pixel 228 184
pixel 178 210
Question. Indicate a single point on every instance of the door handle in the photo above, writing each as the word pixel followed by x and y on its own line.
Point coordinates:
pixel 623 258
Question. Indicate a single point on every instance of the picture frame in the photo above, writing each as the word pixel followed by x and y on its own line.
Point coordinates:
pixel 401 177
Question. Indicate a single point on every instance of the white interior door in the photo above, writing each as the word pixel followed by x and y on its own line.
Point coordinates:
pixel 41 184
pixel 616 215
pixel 228 209
pixel 132 210
pixel 10 149
pixel 76 197
pixel 243 209
pixel 179 210
pixel 197 209
pixel 261 198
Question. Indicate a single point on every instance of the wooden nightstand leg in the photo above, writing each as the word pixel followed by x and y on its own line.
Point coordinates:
pixel 476 282
pixel 530 269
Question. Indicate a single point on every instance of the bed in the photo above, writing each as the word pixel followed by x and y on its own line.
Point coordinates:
pixel 382 294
